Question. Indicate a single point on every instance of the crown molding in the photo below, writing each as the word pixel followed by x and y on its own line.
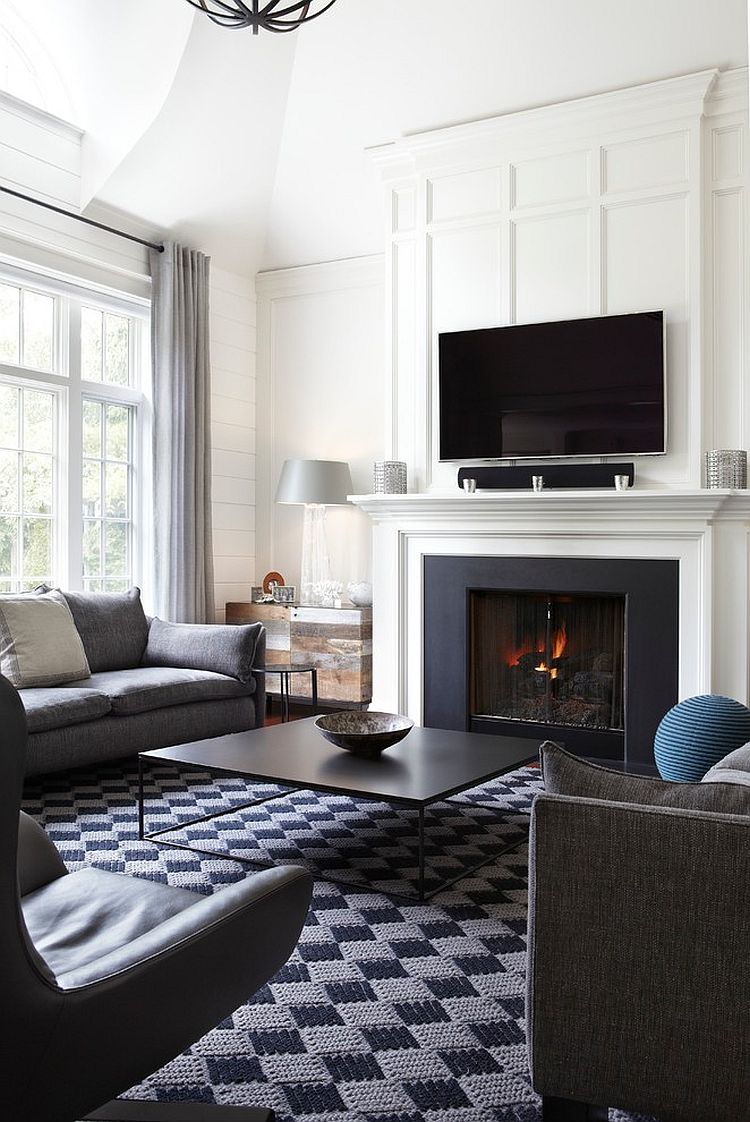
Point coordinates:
pixel 327 276
pixel 40 117
pixel 684 97
pixel 729 94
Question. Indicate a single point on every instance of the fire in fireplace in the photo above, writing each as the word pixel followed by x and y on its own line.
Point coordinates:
pixel 547 658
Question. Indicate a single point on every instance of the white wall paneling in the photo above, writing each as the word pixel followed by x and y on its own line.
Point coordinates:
pixel 645 163
pixel 552 286
pixel 547 180
pixel 404 215
pixel 470 194
pixel 321 395
pixel 646 251
pixel 726 279
pixel 622 202
pixel 400 410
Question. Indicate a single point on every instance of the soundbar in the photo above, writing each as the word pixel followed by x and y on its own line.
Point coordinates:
pixel 556 476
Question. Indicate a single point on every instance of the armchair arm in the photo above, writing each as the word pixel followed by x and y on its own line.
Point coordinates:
pixel 174 983
pixel 225 649
pixel 639 977
pixel 271 905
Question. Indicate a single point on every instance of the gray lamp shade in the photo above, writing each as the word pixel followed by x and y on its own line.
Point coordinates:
pixel 327 482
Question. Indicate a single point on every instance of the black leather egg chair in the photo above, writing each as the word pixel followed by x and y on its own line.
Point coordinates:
pixel 104 977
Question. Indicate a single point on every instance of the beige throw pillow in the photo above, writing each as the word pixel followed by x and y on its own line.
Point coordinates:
pixel 39 644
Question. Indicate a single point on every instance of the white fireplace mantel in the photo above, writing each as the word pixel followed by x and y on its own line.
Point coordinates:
pixel 538 507
pixel 706 532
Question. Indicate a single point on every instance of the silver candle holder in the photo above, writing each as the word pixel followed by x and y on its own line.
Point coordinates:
pixel 726 467
pixel 389 477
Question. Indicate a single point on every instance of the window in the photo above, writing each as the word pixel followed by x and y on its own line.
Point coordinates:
pixel 26 327
pixel 74 417
pixel 108 470
pixel 27 486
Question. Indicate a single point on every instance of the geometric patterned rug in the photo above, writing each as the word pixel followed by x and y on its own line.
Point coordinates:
pixel 388 1010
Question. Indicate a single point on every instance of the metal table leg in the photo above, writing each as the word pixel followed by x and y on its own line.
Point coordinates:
pixel 284 691
pixel 314 674
pixel 141 812
pixel 420 879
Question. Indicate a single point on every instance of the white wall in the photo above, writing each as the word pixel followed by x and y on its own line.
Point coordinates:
pixel 41 156
pixel 320 396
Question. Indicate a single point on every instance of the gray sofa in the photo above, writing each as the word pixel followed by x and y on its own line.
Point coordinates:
pixel 152 684
pixel 638 976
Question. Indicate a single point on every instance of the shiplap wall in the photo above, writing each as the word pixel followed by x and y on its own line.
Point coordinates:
pixel 233 435
pixel 41 155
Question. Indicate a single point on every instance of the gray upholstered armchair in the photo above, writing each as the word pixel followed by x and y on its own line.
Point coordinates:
pixel 639 975
pixel 104 977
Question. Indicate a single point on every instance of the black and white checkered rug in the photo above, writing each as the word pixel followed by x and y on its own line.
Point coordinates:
pixel 389 1010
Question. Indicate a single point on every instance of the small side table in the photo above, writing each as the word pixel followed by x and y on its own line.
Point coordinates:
pixel 285 671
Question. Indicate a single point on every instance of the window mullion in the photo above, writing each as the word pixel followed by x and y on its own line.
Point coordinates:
pixel 73 444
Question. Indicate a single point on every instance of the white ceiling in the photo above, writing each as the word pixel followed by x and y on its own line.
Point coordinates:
pixel 253 147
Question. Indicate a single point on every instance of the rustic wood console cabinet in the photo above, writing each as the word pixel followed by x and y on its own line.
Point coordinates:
pixel 337 641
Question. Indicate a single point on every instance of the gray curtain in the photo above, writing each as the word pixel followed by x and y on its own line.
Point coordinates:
pixel 182 436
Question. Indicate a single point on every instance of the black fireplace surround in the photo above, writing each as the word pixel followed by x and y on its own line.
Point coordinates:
pixel 650 589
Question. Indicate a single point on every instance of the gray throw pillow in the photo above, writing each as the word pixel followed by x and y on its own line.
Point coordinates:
pixel 224 648
pixel 734 768
pixel 569 775
pixel 112 626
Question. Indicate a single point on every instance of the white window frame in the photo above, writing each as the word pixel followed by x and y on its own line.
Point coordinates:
pixel 71 390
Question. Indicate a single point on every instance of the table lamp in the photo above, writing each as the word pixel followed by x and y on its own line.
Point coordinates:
pixel 315 484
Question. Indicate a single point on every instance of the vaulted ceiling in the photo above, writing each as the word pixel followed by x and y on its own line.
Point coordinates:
pixel 254 147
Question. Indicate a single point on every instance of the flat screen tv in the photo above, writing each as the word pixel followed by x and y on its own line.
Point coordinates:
pixel 582 387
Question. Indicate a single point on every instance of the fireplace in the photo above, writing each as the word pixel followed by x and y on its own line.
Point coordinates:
pixel 547 657
pixel 580 650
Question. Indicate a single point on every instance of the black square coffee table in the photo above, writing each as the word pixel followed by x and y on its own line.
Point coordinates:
pixel 428 766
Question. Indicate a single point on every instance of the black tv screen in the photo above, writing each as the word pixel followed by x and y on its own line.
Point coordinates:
pixel 583 387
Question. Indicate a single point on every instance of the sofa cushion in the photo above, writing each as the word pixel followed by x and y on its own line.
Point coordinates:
pixel 112 625
pixel 39 643
pixel 569 775
pixel 145 688
pixel 55 708
pixel 734 768
pixel 227 649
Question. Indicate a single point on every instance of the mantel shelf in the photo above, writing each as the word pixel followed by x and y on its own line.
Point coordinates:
pixel 553 506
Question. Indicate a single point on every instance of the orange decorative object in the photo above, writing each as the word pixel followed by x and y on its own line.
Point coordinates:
pixel 272 578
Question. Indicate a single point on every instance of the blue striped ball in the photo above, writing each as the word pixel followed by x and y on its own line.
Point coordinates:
pixel 697 733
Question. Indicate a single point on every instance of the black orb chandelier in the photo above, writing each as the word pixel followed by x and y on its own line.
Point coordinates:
pixel 271 15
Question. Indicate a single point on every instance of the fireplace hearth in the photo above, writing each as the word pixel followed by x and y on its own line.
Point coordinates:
pixel 580 650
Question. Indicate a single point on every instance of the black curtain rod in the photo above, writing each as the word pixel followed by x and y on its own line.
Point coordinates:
pixel 80 218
